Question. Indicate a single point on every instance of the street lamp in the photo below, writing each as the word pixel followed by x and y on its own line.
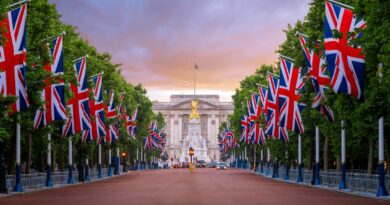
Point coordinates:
pixel 124 161
pixel 191 153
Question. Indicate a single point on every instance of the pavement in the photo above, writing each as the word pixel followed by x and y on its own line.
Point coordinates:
pixel 179 186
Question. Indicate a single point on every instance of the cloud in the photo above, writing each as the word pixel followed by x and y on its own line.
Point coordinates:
pixel 158 42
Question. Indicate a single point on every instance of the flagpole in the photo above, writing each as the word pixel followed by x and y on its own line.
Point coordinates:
pixel 268 161
pixel 285 57
pixel 299 179
pixel 100 160
pixel 18 3
pixel 262 160
pixel 117 161
pixel 341 4
pixel 18 184
pixel 70 175
pixel 317 164
pixel 194 82
pixel 109 162
pixel 381 171
pixel 343 184
pixel 48 176
pixel 101 73
pixel 137 159
pixel 86 176
pixel 254 158
pixel 53 37
pixel 78 59
pixel 286 176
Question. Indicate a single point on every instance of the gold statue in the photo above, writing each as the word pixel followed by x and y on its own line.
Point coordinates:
pixel 194 113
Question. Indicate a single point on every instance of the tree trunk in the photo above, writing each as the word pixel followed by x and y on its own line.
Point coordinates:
pixel 326 152
pixel 309 165
pixel 387 149
pixel 53 160
pixel 12 155
pixel 338 163
pixel 370 165
pixel 28 157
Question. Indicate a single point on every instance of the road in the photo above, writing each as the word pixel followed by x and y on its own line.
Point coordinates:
pixel 179 186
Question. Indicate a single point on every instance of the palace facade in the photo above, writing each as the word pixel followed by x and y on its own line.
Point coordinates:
pixel 176 113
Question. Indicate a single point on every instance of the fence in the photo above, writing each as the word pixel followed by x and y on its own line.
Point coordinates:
pixel 359 182
pixel 38 180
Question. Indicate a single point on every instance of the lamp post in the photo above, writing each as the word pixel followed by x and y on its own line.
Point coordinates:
pixel 124 161
pixel 191 153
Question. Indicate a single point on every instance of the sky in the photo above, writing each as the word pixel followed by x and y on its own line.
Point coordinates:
pixel 159 41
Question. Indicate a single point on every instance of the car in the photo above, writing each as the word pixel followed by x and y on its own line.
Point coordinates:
pixel 212 164
pixel 201 164
pixel 221 166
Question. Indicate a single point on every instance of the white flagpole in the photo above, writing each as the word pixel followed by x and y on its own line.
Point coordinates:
pixel 109 163
pixel 100 160
pixel 299 178
pixel 342 184
pixel 268 161
pixel 48 177
pixel 18 184
pixel 317 164
pixel 381 188
pixel 70 176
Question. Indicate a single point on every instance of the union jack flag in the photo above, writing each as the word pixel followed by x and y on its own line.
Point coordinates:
pixel 263 91
pixel 98 130
pixel 80 118
pixel 319 78
pixel 272 127
pixel 128 122
pixel 53 95
pixel 250 109
pixel 345 62
pixel 134 123
pixel 120 106
pixel 290 84
pixel 245 129
pixel 111 129
pixel 13 58
pixel 256 133
pixel 150 143
pixel 255 106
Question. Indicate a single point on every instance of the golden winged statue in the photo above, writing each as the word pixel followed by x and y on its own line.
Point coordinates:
pixel 194 112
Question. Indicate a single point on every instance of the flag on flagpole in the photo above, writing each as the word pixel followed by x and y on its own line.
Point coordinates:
pixel 80 118
pixel 13 58
pixel 319 78
pixel 346 62
pixel 111 113
pixel 97 130
pixel 54 93
pixel 290 84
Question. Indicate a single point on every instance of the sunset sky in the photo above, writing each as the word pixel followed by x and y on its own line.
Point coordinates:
pixel 158 41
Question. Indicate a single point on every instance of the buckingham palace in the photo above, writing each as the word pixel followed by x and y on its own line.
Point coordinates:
pixel 177 115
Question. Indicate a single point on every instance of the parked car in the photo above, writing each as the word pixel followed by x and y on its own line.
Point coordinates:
pixel 201 164
pixel 221 166
pixel 212 164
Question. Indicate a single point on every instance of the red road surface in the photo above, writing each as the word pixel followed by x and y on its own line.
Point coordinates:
pixel 179 186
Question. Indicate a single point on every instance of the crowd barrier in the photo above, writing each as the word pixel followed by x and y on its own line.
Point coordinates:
pixel 38 180
pixel 357 181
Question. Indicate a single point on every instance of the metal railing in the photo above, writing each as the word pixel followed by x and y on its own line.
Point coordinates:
pixel 38 180
pixel 357 181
